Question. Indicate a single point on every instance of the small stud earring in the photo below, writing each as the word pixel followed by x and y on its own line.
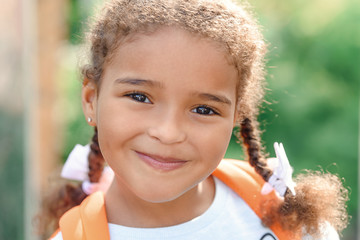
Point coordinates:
pixel 89 119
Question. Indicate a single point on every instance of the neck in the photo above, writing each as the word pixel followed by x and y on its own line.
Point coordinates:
pixel 125 208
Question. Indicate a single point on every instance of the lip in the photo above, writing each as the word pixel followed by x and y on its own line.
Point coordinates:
pixel 161 163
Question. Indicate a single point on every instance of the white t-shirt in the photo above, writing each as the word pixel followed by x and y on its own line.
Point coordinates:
pixel 228 217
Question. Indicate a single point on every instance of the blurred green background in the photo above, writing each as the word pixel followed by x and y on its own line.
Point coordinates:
pixel 313 89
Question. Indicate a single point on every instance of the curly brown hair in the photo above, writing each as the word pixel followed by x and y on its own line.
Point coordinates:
pixel 320 197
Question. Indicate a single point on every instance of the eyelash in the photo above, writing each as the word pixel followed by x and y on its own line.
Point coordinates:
pixel 145 99
pixel 209 110
pixel 137 95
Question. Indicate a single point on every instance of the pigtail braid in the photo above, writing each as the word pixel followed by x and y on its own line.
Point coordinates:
pixel 95 158
pixel 320 197
pixel 68 195
pixel 249 134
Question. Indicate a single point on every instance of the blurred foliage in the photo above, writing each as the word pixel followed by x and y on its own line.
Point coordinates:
pixel 78 18
pixel 11 175
pixel 77 130
pixel 313 74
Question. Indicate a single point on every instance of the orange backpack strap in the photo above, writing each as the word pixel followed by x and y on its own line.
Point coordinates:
pixel 243 180
pixel 86 221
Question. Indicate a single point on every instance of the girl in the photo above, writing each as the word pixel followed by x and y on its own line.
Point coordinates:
pixel 166 83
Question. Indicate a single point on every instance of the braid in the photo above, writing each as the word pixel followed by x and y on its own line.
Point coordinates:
pixel 95 158
pixel 69 195
pixel 252 143
pixel 320 197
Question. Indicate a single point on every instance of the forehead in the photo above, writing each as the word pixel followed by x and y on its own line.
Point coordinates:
pixel 179 49
pixel 173 39
pixel 172 35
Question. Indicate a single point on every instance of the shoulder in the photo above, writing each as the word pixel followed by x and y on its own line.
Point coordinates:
pixel 241 177
pixel 238 218
pixel 234 168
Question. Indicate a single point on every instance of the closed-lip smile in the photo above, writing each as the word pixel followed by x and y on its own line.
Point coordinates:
pixel 161 163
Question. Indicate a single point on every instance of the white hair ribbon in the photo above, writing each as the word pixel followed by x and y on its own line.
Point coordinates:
pixel 76 168
pixel 282 173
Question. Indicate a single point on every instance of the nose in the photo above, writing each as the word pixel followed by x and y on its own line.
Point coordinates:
pixel 168 128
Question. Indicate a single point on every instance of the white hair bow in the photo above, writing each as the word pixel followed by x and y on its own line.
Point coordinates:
pixel 282 173
pixel 76 168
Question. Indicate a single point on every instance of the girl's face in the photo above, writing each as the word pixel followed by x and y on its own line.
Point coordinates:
pixel 164 113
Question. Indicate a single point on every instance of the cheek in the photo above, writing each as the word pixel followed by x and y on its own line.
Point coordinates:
pixel 116 125
pixel 116 117
pixel 213 143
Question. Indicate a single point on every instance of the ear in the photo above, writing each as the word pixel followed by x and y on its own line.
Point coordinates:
pixel 89 101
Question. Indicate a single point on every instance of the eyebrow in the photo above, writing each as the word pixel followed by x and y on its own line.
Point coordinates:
pixel 151 83
pixel 215 98
pixel 138 82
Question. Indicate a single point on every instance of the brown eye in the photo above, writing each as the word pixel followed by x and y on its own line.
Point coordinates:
pixel 204 110
pixel 139 97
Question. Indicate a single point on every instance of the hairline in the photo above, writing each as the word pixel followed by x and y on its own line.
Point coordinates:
pixel 151 29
